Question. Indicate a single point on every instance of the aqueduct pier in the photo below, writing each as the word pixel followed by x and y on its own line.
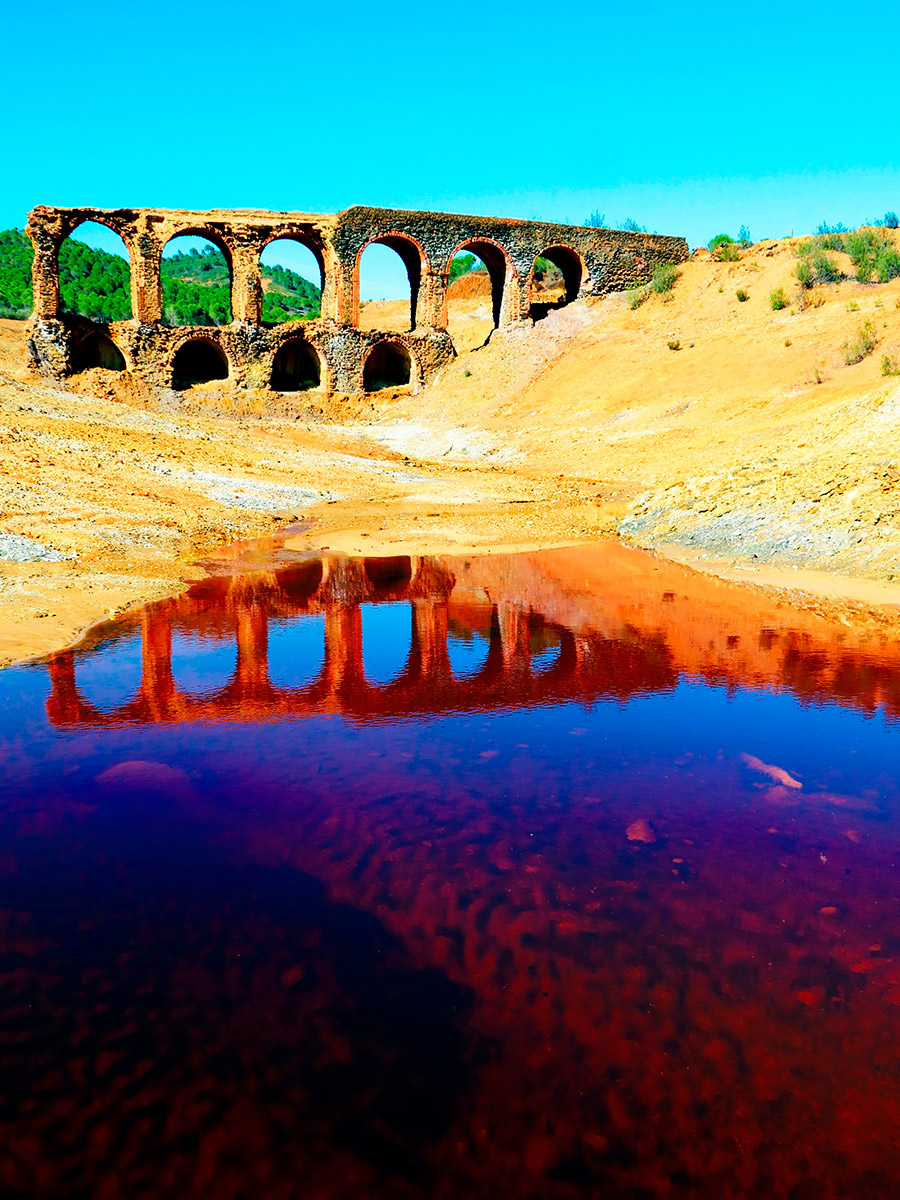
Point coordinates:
pixel 332 348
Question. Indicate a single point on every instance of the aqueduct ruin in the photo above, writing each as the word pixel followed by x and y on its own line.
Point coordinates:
pixel 333 348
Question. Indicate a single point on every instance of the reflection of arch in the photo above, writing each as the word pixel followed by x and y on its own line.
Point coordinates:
pixel 203 663
pixel 414 259
pixel 387 642
pixel 570 265
pixel 296 366
pixel 96 349
pixel 111 679
pixel 499 267
pixel 388 575
pixel 389 363
pixel 545 645
pixel 300 584
pixel 198 360
pixel 468 649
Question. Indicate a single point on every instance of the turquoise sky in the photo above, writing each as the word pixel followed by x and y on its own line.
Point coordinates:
pixel 691 118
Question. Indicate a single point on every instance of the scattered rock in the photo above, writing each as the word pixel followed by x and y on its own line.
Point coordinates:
pixel 641 831
pixel 778 774
pixel 138 773
pixel 18 549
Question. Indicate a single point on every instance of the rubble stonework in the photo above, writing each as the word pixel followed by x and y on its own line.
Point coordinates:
pixel 592 261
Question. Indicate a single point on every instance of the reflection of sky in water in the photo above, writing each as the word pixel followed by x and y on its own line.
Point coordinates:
pixel 202 664
pixel 110 675
pixel 386 632
pixel 467 653
pixel 582 948
pixel 296 650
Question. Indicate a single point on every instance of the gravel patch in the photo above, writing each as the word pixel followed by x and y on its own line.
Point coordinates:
pixel 431 442
pixel 18 549
pixel 760 535
pixel 244 493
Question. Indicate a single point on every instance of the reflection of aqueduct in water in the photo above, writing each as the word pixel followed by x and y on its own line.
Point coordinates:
pixel 586 666
pixel 332 349
pixel 613 642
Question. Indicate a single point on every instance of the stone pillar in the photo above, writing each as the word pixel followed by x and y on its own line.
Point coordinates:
pixel 432 312
pixel 157 681
pixel 63 703
pixel 45 274
pixel 346 293
pixel 514 636
pixel 328 305
pixel 343 649
pixel 252 673
pixel 516 297
pixel 146 285
pixel 429 639
pixel 246 285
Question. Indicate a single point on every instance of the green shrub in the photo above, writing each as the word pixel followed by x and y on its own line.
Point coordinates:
pixel 863 247
pixel 742 295
pixel 728 252
pixel 831 241
pixel 816 266
pixel 720 239
pixel 637 296
pixel 889 365
pixel 852 306
pixel 872 255
pixel 887 265
pixel 674 345
pixel 663 279
pixel 891 220
pixel 463 264
pixel 861 345
pixel 777 299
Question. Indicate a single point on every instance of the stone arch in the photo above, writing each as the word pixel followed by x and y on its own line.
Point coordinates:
pixel 119 228
pixel 501 270
pixel 216 238
pixel 311 243
pixel 573 270
pixel 414 258
pixel 95 349
pixel 198 358
pixel 113 308
pixel 389 363
pixel 297 365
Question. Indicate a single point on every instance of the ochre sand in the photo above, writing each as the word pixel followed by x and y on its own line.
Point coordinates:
pixel 725 453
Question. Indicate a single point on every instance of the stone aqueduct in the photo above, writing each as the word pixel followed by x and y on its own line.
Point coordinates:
pixel 591 261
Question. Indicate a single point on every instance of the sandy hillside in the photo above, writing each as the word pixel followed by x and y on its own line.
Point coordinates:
pixel 729 434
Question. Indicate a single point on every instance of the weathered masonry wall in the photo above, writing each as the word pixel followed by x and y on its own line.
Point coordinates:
pixel 592 261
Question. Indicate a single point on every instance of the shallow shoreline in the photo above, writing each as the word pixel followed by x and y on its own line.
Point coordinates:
pixel 92 597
